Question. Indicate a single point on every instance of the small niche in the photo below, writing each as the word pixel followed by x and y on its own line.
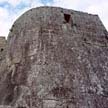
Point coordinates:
pixel 11 30
pixel 67 17
pixel 67 107
pixel 106 37
pixel 1 49
pixel 85 39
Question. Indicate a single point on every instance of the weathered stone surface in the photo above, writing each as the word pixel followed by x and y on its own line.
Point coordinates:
pixel 2 48
pixel 56 58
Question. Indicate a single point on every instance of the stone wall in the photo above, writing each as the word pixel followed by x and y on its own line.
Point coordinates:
pixel 56 58
pixel 2 47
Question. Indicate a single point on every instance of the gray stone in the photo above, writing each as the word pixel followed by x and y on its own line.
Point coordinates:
pixel 55 58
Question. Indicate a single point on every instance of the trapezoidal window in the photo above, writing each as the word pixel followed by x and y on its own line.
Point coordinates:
pixel 67 17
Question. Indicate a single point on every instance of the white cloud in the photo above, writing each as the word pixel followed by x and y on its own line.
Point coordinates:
pixel 3 13
pixel 12 2
pixel 66 3
pixel 4 24
pixel 35 3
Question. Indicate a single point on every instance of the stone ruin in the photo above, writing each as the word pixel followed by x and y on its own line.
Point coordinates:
pixel 54 58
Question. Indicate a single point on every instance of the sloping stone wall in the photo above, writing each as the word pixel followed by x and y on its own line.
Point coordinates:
pixel 56 58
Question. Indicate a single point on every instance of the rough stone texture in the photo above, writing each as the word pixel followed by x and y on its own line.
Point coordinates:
pixel 56 58
pixel 2 48
pixel 3 44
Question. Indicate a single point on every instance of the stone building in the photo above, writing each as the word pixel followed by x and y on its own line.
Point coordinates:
pixel 55 58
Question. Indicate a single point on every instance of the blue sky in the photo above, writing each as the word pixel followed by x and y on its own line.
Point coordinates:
pixel 10 10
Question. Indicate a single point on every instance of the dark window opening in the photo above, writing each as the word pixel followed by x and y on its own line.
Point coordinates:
pixel 61 11
pixel 67 18
pixel 106 37
pixel 85 39
pixel 75 25
pixel 67 107
pixel 1 49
